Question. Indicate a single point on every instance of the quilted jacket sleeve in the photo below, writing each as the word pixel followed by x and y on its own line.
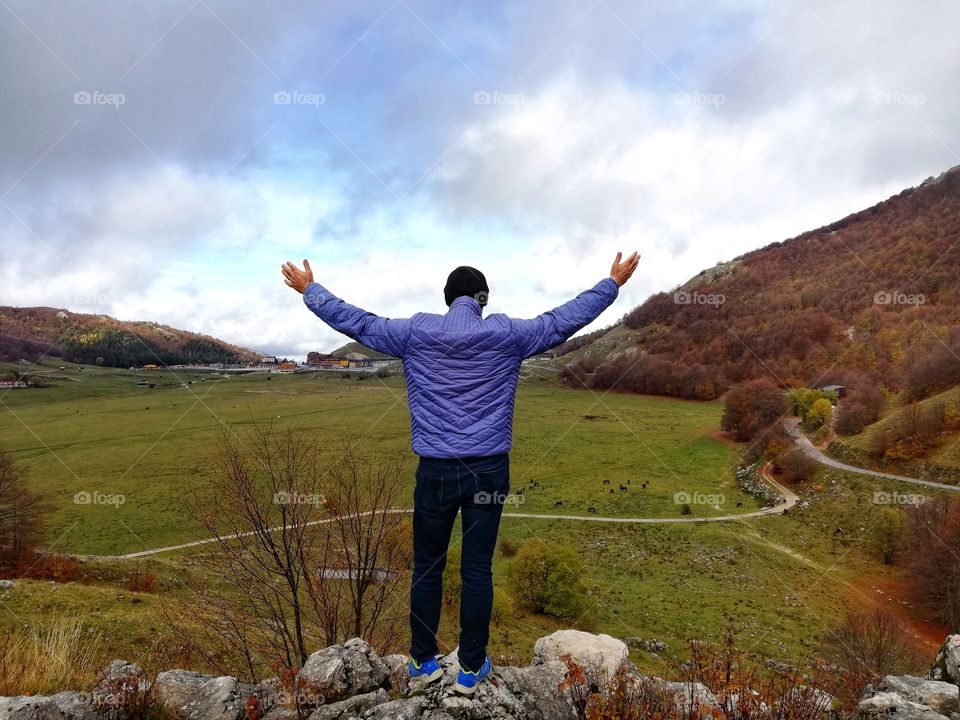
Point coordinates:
pixel 557 325
pixel 385 335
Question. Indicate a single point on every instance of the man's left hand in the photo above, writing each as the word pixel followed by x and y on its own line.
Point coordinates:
pixel 295 277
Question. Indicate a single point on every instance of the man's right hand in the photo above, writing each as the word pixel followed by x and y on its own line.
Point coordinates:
pixel 621 271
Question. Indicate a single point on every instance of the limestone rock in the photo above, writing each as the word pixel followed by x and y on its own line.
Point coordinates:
pixel 946 666
pixel 342 671
pixel 890 706
pixel 537 689
pixel 599 653
pixel 68 705
pixel 355 705
pixel 943 697
pixel 201 697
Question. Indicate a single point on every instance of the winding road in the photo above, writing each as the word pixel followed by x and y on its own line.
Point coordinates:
pixel 789 500
pixel 814 453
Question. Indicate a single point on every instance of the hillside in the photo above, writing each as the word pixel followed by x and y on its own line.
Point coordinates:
pixel 870 299
pixel 921 439
pixel 355 347
pixel 34 332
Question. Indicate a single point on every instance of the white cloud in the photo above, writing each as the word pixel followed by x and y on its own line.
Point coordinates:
pixel 782 124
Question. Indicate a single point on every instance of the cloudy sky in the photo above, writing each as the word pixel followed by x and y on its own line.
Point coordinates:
pixel 160 160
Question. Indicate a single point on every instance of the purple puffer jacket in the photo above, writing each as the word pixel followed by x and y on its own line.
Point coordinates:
pixel 461 368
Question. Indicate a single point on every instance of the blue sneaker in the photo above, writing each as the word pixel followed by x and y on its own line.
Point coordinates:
pixel 428 671
pixel 467 681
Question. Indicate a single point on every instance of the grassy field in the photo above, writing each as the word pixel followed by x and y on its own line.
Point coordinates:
pixel 779 581
pixel 96 432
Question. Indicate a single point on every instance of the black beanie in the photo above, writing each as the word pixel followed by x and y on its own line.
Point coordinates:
pixel 466 280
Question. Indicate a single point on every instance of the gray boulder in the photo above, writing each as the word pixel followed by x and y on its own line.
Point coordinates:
pixel 29 708
pixel 355 705
pixel 75 706
pixel 946 666
pixel 890 706
pixel 408 709
pixel 193 696
pixel 943 697
pixel 281 713
pixel 536 689
pixel 342 671
pixel 601 654
pixel 116 684
pixel 687 696
pixel 62 706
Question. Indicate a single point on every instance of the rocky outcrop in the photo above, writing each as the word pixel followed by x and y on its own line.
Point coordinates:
pixel 943 697
pixel 62 706
pixel 893 706
pixel 905 697
pixel 946 666
pixel 201 697
pixel 351 682
pixel 342 671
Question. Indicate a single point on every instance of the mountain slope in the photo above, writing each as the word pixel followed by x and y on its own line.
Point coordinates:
pixel 355 347
pixel 33 332
pixel 876 294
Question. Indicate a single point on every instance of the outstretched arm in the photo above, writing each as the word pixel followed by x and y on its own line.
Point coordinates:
pixel 385 335
pixel 555 326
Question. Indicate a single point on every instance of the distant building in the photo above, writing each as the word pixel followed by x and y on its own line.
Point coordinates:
pixel 286 367
pixel 269 361
pixel 332 362
pixel 840 390
pixel 8 384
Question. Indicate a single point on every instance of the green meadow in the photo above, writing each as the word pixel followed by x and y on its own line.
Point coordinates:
pixel 96 432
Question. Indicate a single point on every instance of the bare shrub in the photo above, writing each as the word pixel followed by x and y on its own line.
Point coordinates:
pixel 871 644
pixel 303 554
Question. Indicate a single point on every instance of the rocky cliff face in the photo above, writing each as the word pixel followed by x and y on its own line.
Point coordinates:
pixel 351 682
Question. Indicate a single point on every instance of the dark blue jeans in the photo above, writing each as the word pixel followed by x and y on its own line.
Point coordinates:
pixel 477 488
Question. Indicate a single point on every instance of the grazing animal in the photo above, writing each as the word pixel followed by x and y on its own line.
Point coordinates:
pixel 838 531
pixel 623 488
pixel 611 491
pixel 591 509
pixel 739 504
pixel 558 503
pixel 520 491
pixel 644 486
pixel 628 482
pixel 606 482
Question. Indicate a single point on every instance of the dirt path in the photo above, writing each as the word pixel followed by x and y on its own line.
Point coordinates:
pixel 803 442
pixel 789 500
